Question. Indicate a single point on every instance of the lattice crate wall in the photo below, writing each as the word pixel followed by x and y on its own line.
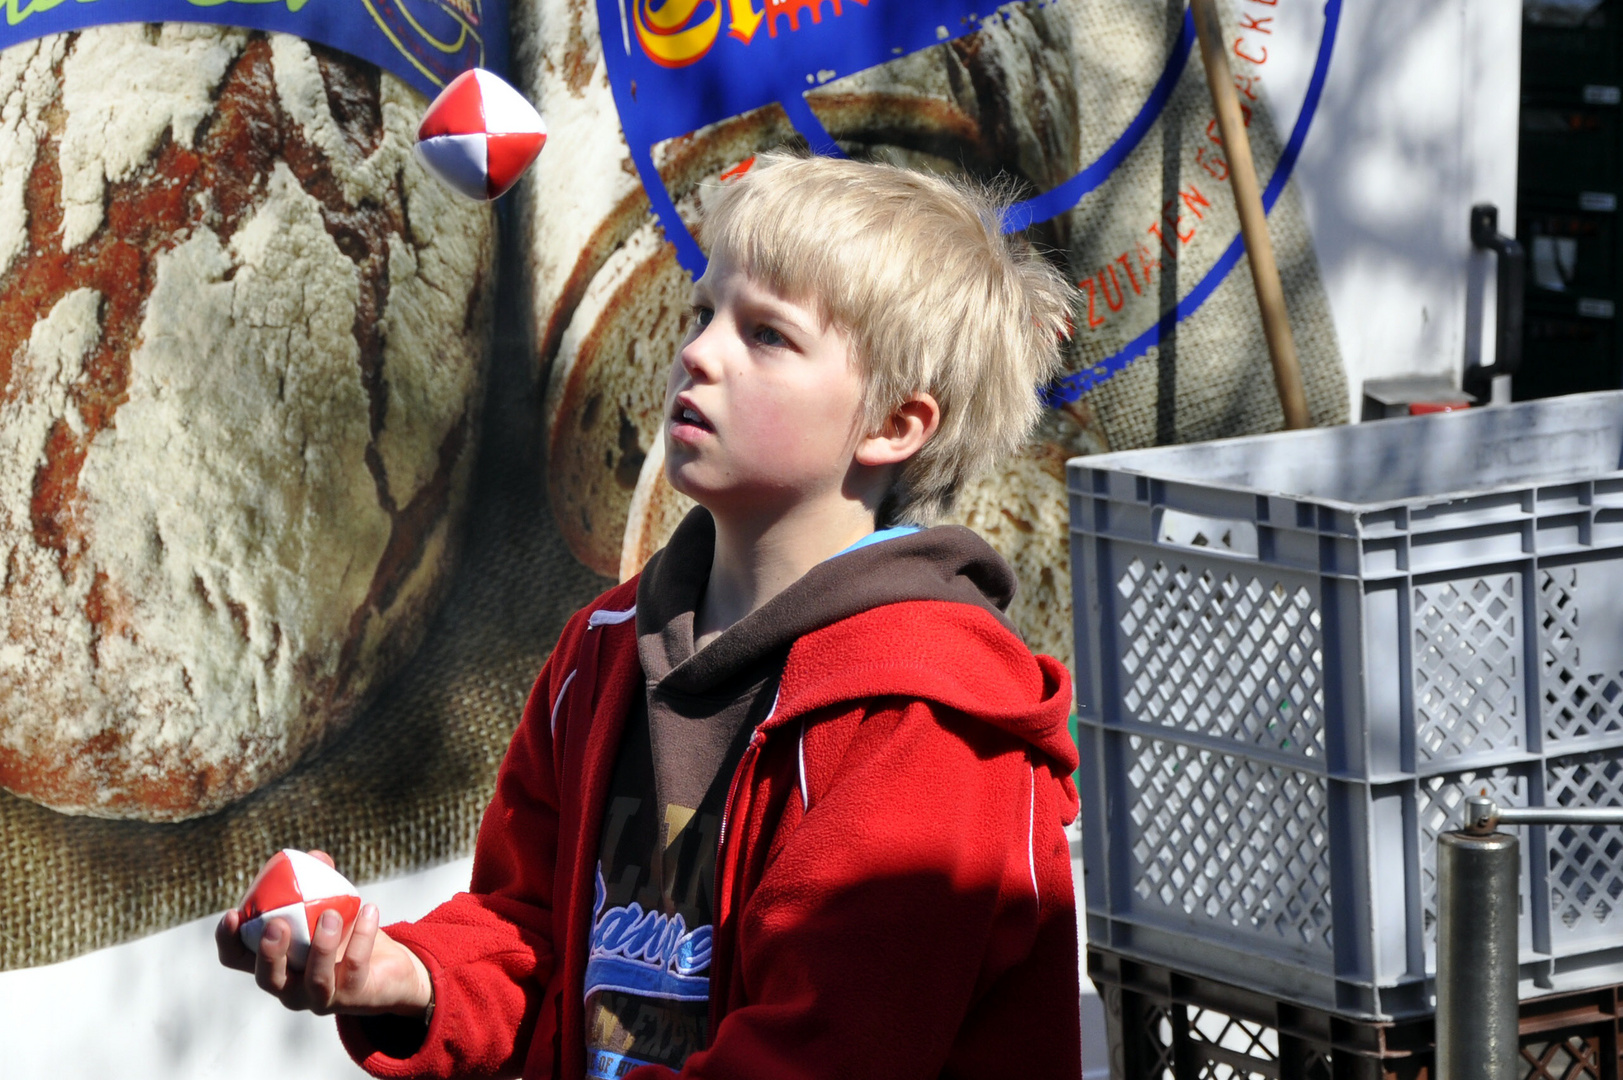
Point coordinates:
pixel 1288 682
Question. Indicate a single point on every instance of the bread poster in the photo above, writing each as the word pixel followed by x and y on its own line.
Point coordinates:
pixel 305 458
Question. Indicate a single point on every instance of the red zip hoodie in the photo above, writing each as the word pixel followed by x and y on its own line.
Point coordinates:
pixel 893 889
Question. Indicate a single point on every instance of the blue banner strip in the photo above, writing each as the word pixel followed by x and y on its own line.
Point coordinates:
pixel 1056 201
pixel 427 43
pixel 732 76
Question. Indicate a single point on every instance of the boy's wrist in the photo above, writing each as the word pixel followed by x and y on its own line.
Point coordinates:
pixel 423 1000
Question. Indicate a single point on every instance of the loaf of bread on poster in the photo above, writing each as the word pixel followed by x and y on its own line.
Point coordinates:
pixel 242 339
pixel 609 294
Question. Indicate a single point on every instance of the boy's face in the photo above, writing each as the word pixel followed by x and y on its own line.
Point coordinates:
pixel 763 410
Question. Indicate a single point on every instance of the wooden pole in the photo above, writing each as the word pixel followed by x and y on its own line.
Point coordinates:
pixel 1276 327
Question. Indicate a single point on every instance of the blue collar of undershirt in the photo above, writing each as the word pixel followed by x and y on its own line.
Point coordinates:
pixel 878 536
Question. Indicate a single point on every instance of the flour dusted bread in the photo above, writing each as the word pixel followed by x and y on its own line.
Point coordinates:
pixel 576 205
pixel 241 347
pixel 655 512
pixel 606 396
pixel 1020 508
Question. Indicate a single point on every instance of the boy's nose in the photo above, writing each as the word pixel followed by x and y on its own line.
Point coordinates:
pixel 698 357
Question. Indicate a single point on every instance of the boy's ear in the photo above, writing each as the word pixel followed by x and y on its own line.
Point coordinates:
pixel 904 432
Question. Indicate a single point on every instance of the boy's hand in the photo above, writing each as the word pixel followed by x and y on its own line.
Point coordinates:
pixel 372 973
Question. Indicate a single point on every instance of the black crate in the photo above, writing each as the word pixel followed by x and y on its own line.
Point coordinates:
pixel 1568 149
pixel 1566 353
pixel 1170 1025
pixel 1570 45
pixel 1570 254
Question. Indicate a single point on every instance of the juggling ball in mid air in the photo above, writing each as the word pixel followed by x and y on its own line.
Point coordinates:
pixel 298 887
pixel 480 135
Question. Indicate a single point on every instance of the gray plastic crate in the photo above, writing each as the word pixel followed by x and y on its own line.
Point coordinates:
pixel 1297 653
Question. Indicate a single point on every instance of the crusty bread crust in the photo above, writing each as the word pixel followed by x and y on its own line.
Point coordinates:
pixel 607 393
pixel 1020 509
pixel 241 352
pixel 656 510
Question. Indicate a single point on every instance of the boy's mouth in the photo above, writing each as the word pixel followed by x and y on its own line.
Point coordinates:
pixel 683 413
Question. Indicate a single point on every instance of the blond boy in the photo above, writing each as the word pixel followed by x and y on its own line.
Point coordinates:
pixel 789 804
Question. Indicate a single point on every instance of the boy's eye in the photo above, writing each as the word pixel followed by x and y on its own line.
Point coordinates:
pixel 766 335
pixel 700 316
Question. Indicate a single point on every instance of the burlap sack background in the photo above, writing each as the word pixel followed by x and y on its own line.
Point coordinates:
pixel 405 786
pixel 1211 378
pixel 402 789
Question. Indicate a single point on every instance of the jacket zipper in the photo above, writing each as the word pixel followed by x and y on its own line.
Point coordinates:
pixel 757 739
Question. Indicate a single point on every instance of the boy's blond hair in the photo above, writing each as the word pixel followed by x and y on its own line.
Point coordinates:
pixel 934 298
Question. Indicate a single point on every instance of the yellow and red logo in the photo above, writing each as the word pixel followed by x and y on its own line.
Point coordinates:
pixel 673 35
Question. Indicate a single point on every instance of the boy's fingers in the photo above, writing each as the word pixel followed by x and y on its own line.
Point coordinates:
pixel 355 968
pixel 228 943
pixel 324 857
pixel 319 983
pixel 270 972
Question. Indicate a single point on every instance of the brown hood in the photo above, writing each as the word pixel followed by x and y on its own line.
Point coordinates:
pixel 701 706
pixel 949 563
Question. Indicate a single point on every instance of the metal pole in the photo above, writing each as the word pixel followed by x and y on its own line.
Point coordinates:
pixel 1477 900
pixel 1542 815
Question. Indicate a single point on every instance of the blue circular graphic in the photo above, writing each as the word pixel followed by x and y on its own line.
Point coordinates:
pixel 719 78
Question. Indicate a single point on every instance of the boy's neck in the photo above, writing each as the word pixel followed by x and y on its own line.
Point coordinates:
pixel 755 560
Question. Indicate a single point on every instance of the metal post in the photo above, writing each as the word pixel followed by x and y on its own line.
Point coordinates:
pixel 1477 944
pixel 1476 956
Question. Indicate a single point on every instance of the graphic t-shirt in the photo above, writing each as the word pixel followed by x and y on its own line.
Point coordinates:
pixel 648 970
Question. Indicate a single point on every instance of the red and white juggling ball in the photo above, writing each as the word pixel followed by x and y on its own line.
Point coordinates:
pixel 298 887
pixel 480 135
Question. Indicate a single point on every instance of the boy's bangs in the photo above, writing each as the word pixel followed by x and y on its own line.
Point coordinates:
pixel 792 244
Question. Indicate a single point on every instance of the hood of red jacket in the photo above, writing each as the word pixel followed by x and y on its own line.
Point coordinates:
pixel 919 616
pixel 958 656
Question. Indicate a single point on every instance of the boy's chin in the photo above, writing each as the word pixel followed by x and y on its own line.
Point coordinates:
pixel 686 478
pixel 722 499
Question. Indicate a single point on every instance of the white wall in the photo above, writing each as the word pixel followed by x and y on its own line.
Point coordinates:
pixel 162 1008
pixel 1418 123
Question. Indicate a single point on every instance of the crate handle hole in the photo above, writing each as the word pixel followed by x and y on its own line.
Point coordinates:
pixel 1177 528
